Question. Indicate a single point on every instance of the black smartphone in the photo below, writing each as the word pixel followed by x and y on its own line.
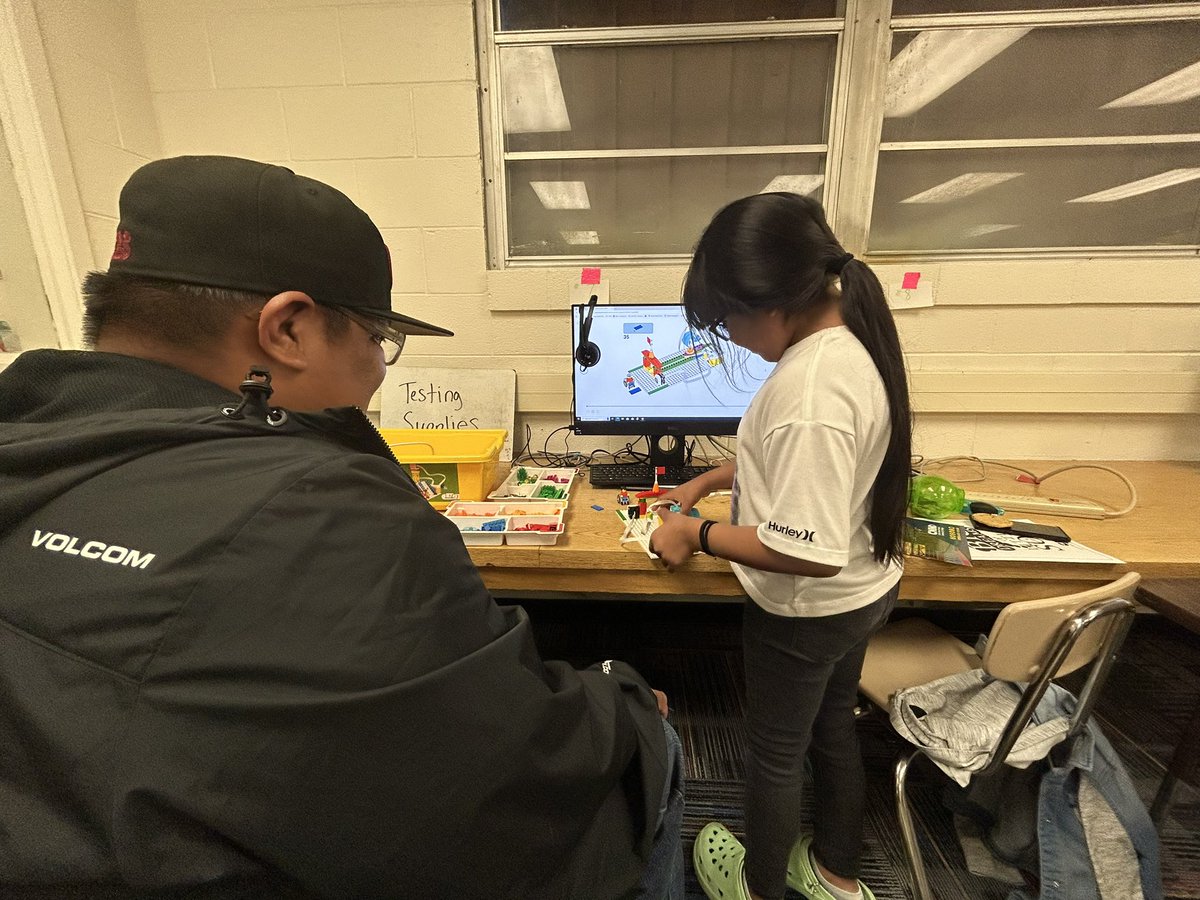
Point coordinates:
pixel 1033 529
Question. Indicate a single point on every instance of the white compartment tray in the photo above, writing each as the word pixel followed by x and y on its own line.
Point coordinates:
pixel 513 532
pixel 514 507
pixel 536 480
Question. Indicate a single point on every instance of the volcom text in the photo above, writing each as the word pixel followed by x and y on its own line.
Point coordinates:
pixel 69 544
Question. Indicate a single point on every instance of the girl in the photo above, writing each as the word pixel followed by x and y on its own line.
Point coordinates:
pixel 819 494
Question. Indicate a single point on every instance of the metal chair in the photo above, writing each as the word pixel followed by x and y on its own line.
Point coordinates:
pixel 1032 641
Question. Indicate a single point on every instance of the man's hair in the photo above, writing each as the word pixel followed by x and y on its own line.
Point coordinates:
pixel 184 316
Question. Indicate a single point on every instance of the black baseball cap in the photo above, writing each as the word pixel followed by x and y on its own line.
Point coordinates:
pixel 244 225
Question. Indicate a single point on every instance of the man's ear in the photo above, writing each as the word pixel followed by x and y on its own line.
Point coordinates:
pixel 288 326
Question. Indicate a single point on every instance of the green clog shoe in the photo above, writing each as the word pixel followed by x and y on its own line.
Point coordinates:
pixel 802 876
pixel 719 859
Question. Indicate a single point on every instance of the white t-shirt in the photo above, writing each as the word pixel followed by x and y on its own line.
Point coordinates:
pixel 809 448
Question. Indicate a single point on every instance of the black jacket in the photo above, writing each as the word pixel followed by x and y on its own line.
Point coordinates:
pixel 249 658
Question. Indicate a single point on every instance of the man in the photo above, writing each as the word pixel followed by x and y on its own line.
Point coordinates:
pixel 240 655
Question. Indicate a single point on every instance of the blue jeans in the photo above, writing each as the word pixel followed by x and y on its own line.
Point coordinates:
pixel 663 877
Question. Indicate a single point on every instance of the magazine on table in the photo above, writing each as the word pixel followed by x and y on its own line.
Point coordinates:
pixel 960 543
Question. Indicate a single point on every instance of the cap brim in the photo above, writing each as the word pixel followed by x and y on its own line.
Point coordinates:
pixel 406 324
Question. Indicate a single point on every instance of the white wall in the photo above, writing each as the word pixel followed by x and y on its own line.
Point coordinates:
pixel 1052 358
pixel 22 299
pixel 94 51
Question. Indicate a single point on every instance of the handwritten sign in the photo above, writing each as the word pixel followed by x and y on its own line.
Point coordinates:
pixel 450 398
pixel 914 292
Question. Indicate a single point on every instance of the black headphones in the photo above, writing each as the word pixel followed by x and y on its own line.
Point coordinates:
pixel 587 354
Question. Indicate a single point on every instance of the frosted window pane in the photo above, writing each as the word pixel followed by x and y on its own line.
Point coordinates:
pixel 641 206
pixel 728 94
pixel 945 200
pixel 927 7
pixel 1044 82
pixel 524 15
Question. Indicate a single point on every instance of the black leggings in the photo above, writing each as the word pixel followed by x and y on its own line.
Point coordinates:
pixel 801 687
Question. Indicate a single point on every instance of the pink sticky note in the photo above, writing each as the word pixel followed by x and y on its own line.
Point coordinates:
pixel 589 276
pixel 910 281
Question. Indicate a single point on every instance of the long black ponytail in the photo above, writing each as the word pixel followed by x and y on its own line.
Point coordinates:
pixel 776 251
pixel 866 314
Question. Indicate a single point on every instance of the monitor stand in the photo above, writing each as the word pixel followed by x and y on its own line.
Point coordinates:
pixel 666 450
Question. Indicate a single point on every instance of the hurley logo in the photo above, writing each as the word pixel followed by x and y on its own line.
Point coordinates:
pixel 109 553
pixel 802 534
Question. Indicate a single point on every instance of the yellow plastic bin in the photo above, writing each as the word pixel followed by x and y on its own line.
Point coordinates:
pixel 449 465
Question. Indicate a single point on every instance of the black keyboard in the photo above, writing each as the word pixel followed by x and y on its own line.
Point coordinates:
pixel 636 475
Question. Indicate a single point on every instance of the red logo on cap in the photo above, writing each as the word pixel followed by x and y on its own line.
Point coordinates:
pixel 121 250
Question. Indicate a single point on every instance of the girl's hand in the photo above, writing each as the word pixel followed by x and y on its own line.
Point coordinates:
pixel 676 539
pixel 685 496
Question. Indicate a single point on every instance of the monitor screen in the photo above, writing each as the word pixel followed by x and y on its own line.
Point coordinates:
pixel 655 375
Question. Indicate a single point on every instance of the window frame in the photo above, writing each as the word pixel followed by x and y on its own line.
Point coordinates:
pixel 490 43
pixel 1062 18
pixel 854 139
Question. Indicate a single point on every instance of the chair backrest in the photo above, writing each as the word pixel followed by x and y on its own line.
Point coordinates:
pixel 1024 632
pixel 1036 640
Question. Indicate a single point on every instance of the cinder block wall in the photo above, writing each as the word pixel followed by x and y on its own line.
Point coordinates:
pixel 94 50
pixel 1051 358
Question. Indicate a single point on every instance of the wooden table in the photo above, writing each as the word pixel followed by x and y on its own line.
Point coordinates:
pixel 1159 539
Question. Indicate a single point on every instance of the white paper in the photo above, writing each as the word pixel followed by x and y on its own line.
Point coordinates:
pixel 995 546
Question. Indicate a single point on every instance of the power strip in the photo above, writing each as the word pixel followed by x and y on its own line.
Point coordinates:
pixel 1054 506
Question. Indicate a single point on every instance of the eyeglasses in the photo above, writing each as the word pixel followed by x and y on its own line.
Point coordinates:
pixel 381 331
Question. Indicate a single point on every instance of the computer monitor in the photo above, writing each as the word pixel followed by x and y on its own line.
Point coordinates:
pixel 655 375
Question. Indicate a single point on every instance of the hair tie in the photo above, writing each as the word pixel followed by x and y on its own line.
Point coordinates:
pixel 840 263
